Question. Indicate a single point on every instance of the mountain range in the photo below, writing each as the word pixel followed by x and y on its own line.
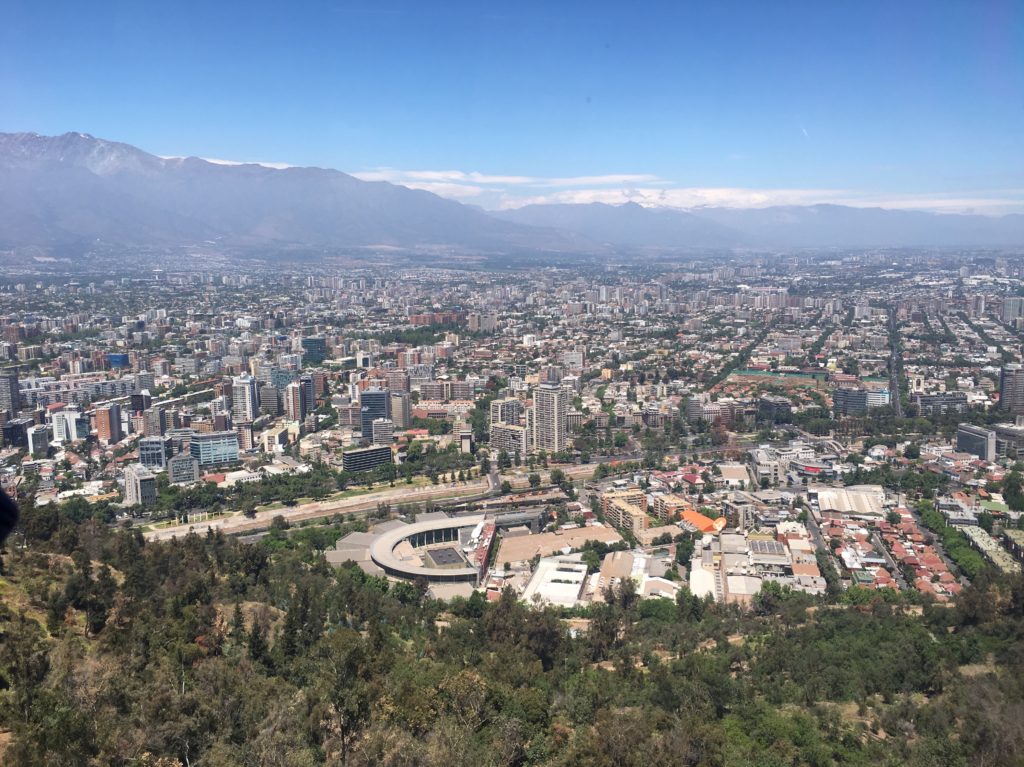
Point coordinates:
pixel 71 192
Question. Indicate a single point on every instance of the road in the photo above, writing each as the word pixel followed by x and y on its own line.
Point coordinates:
pixel 895 365
pixel 238 523
pixel 894 568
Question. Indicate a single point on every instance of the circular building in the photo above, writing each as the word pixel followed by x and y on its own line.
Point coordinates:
pixel 397 553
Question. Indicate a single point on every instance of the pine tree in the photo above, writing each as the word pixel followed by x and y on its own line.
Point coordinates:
pixel 237 623
pixel 257 643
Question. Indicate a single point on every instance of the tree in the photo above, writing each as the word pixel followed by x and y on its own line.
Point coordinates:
pixel 506 487
pixel 237 623
pixel 534 480
pixel 985 521
pixel 257 642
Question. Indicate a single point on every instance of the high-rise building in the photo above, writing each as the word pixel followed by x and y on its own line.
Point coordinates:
pixel 244 398
pixel 139 485
pixel 153 452
pixel 68 426
pixel 509 437
pixel 214 448
pixel 1013 307
pixel 108 423
pixel 374 404
pixel 401 410
pixel 141 401
pixel 182 469
pixel 309 388
pixel 366 459
pixel 270 400
pixel 551 406
pixel 38 440
pixel 398 380
pixel 383 431
pixel 15 432
pixel 320 386
pixel 506 411
pixel 295 403
pixel 849 401
pixel 976 440
pixel 10 393
pixel 246 436
pixel 1011 389
pixel 314 350
pixel 154 423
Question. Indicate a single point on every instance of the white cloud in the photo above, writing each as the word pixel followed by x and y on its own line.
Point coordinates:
pixel 453 191
pixel 407 177
pixel 610 179
pixel 680 197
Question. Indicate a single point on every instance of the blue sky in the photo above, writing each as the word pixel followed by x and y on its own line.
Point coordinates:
pixel 904 104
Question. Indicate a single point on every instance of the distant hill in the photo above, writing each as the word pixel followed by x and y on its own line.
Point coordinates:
pixel 72 191
pixel 630 225
pixel 812 226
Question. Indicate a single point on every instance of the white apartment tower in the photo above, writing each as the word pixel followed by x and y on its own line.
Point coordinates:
pixel 244 399
pixel 551 406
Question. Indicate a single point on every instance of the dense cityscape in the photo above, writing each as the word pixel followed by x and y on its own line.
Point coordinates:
pixel 690 437
pixel 816 422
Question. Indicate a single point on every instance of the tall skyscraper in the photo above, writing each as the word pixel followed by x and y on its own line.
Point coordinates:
pixel 551 406
pixel 401 410
pixel 10 392
pixel 1013 307
pixel 1011 389
pixel 374 404
pixel 108 423
pixel 295 403
pixel 309 388
pixel 244 399
pixel 154 422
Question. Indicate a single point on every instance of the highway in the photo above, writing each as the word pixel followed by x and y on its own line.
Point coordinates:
pixel 238 523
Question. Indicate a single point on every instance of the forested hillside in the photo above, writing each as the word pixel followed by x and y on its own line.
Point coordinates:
pixel 211 652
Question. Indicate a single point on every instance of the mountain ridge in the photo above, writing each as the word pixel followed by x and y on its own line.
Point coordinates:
pixel 69 192
pixel 74 189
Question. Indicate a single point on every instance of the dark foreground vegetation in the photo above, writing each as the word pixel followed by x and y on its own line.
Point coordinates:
pixel 215 653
